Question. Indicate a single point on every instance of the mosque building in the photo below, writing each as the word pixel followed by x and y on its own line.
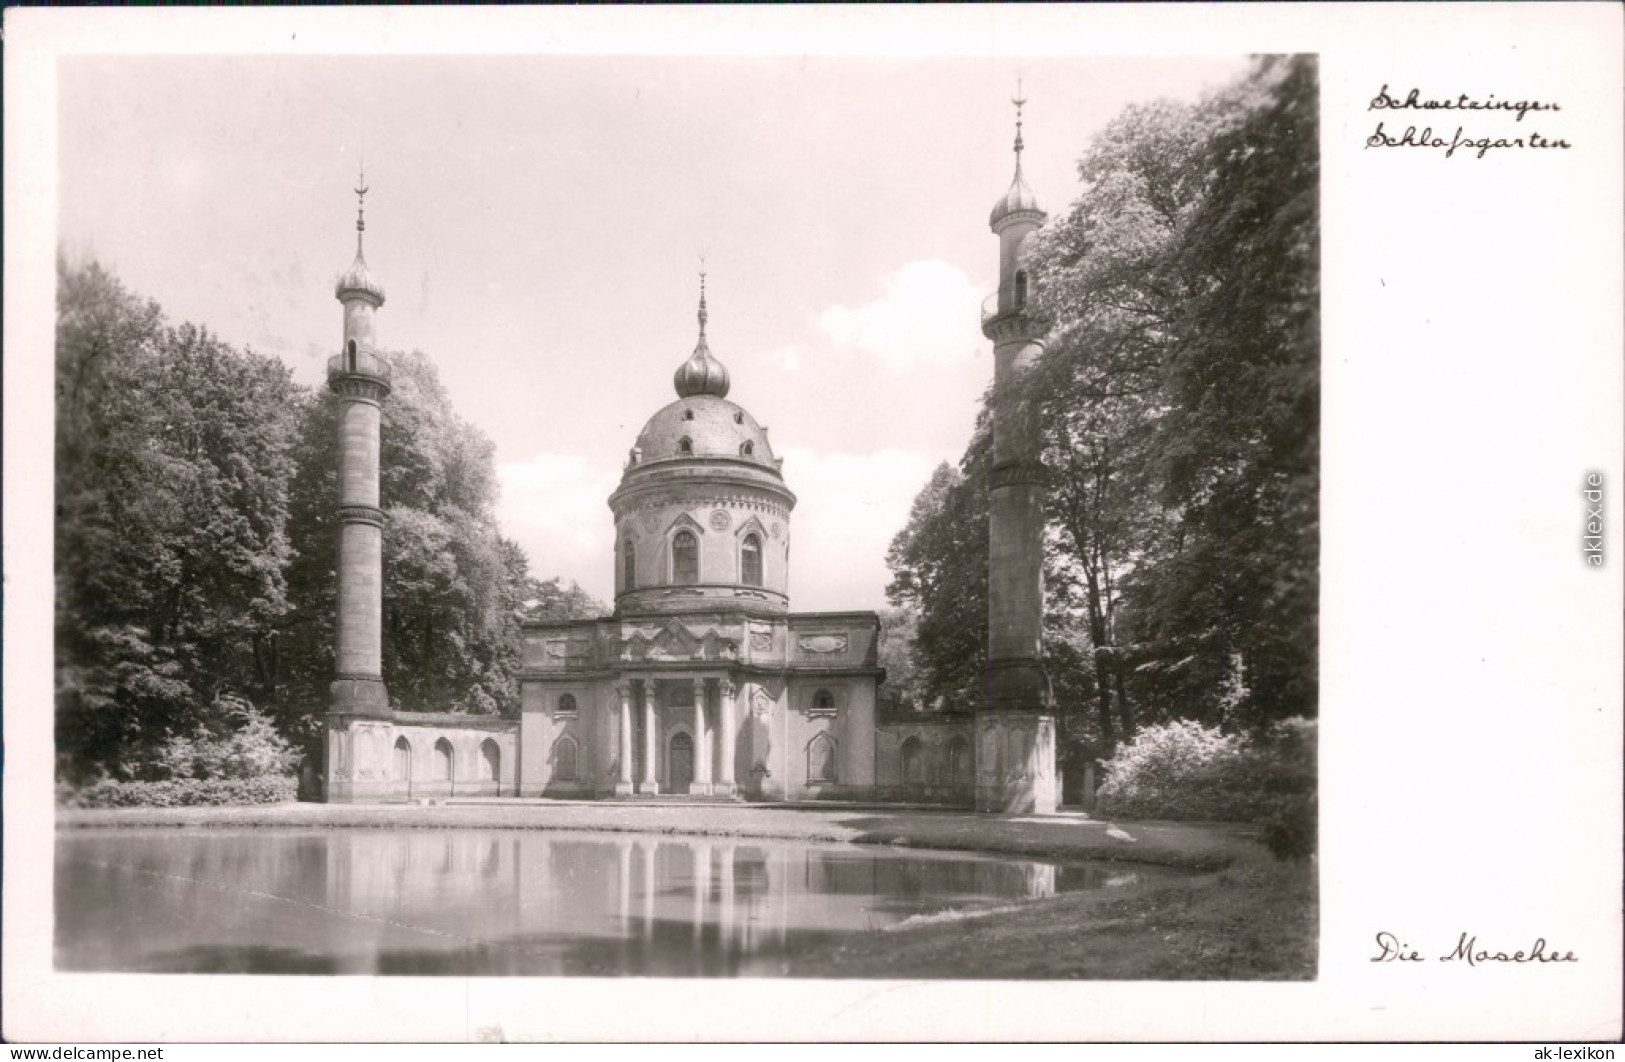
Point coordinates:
pixel 702 683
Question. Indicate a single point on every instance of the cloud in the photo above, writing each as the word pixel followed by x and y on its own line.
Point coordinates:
pixel 927 316
pixel 556 507
pixel 788 359
pixel 848 509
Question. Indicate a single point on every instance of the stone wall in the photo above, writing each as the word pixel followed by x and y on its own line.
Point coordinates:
pixel 419 755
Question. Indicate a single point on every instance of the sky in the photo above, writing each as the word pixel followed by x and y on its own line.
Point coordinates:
pixel 538 224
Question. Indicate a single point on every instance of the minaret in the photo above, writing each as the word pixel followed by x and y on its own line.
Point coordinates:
pixel 1016 730
pixel 360 377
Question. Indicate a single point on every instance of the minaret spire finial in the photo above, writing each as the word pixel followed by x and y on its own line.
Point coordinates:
pixel 361 207
pixel 1020 101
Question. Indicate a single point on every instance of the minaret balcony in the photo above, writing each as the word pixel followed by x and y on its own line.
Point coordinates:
pixel 1011 313
pixel 361 366
pixel 359 363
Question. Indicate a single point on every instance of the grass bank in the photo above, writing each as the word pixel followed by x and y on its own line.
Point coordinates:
pixel 1254 921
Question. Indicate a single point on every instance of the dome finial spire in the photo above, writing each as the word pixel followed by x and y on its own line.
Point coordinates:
pixel 701 374
pixel 703 315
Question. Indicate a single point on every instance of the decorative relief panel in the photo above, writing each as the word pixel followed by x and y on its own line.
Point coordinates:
pixel 761 641
pixel 775 530
pixel 721 520
pixel 823 643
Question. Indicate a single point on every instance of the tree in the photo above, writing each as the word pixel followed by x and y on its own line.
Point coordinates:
pixel 1177 402
pixel 172 471
pixel 939 571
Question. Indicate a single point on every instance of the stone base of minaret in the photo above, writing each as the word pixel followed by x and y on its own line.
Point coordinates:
pixel 1015 763
pixel 358 696
pixel 355 755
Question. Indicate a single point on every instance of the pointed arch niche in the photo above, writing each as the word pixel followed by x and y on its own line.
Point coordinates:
pixel 821 758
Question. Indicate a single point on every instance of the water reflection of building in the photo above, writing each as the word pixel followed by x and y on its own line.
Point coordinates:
pixel 489 901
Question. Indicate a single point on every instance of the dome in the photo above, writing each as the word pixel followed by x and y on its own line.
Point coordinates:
pixel 711 427
pixel 1019 199
pixel 358 281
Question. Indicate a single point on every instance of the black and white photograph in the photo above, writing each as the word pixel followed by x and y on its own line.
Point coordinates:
pixel 419 432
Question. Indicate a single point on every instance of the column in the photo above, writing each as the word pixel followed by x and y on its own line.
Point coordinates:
pixel 623 778
pixel 702 742
pixel 725 721
pixel 650 739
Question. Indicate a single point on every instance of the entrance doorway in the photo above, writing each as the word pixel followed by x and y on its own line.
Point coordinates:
pixel 680 762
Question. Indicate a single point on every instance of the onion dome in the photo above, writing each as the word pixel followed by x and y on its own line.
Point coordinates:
pixel 358 280
pixel 701 374
pixel 1020 199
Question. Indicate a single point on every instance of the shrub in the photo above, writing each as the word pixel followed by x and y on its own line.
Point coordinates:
pixel 181 792
pixel 244 745
pixel 1183 770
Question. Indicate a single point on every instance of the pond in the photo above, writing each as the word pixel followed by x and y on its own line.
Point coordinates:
pixel 491 902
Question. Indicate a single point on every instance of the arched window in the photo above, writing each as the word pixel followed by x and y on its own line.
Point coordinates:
pixel 688 414
pixel 349 355
pixel 750 561
pixel 567 704
pixel 747 448
pixel 821 758
pixel 685 558
pixel 491 757
pixel 739 418
pixel 1021 289
pixel 824 700
pixel 629 566
pixel 403 760
pixel 958 761
pixel 564 760
pixel 913 762
pixel 685 445
pixel 442 761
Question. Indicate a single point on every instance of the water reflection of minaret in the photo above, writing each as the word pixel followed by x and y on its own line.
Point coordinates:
pixel 725 901
pixel 702 885
pixel 781 883
pixel 623 853
pixel 647 852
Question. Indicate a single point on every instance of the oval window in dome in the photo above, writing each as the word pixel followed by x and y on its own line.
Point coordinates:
pixel 739 418
pixel 747 448
pixel 688 414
